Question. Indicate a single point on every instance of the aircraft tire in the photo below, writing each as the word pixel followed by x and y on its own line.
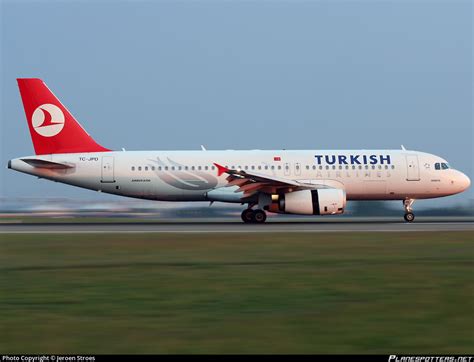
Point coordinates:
pixel 409 217
pixel 247 216
pixel 259 216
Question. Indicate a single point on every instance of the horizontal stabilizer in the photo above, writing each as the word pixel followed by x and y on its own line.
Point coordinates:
pixel 46 164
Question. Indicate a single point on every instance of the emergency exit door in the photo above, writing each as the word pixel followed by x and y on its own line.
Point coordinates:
pixel 108 169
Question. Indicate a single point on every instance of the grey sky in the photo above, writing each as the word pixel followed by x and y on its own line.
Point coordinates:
pixel 243 74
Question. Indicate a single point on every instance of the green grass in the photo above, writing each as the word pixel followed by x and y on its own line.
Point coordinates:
pixel 237 293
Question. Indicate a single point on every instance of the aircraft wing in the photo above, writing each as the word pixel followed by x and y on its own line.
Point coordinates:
pixel 251 182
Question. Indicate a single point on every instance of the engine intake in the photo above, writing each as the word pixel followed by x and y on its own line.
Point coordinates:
pixel 310 202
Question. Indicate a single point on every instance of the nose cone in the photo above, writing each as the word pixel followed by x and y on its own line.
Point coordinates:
pixel 460 182
pixel 464 182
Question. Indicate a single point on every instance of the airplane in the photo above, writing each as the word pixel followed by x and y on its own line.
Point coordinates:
pixel 305 182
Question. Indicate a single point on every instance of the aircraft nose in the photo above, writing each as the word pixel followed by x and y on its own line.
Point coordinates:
pixel 465 182
pixel 461 181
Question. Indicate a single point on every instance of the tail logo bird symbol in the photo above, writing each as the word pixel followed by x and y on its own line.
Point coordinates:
pixel 48 120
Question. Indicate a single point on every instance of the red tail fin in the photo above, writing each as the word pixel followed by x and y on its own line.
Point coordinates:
pixel 53 129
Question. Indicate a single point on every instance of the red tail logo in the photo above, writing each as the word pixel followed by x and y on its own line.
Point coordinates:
pixel 53 129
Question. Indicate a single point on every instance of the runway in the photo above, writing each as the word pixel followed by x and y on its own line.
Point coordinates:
pixel 231 225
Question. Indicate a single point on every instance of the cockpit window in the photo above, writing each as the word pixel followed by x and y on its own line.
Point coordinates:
pixel 441 166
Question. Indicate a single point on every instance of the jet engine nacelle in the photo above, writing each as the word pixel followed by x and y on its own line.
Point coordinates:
pixel 310 202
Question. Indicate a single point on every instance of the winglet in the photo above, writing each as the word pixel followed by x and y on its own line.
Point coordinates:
pixel 220 169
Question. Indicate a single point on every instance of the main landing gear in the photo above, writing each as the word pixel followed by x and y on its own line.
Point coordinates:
pixel 250 216
pixel 409 215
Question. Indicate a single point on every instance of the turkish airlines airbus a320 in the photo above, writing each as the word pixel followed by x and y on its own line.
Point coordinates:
pixel 311 182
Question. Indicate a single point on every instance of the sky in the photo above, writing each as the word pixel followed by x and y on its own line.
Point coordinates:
pixel 168 75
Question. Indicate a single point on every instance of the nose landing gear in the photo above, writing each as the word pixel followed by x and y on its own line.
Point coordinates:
pixel 409 215
pixel 253 216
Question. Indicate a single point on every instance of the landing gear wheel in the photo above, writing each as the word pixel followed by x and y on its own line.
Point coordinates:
pixel 409 217
pixel 259 216
pixel 247 216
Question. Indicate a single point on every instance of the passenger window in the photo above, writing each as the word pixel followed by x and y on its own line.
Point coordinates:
pixel 185 168
pixel 206 168
pixel 192 168
pixel 199 168
pixel 133 168
pixel 139 168
pixel 437 167
pixel 172 168
pixel 146 168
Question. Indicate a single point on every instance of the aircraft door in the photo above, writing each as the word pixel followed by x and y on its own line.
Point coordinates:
pixel 108 169
pixel 413 169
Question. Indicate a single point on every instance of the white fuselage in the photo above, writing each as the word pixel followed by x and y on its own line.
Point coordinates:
pixel 190 175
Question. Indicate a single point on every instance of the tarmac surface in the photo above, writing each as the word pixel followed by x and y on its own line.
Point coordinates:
pixel 234 225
